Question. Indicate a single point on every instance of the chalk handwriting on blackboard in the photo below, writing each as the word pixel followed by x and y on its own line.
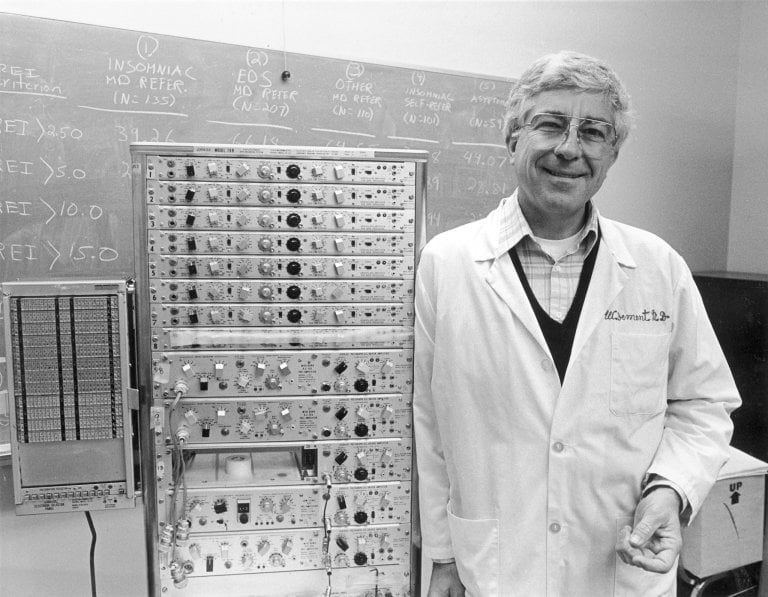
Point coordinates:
pixel 25 80
pixel 71 108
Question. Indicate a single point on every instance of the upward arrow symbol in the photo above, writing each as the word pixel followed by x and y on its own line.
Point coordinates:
pixel 735 497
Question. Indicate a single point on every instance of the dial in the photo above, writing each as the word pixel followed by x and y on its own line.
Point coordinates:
pixel 215 243
pixel 245 427
pixel 286 504
pixel 247 559
pixel 263 547
pixel 267 505
pixel 287 546
pixel 243 380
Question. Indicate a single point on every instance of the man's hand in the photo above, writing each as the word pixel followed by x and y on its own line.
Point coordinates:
pixel 445 581
pixel 655 540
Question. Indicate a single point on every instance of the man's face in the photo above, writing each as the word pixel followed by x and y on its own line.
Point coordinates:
pixel 556 178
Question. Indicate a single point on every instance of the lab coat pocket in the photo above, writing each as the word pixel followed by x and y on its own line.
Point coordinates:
pixel 631 581
pixel 476 548
pixel 639 364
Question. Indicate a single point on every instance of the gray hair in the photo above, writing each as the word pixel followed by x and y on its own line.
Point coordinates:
pixel 568 70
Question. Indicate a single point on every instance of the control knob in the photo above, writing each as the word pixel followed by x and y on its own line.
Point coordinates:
pixel 263 547
pixel 287 546
pixel 247 560
pixel 285 504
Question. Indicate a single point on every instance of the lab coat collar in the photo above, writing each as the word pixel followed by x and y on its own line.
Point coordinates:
pixel 494 240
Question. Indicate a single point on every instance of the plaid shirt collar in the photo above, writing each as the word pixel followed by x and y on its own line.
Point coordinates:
pixel 513 227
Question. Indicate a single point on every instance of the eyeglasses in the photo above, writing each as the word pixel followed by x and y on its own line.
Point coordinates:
pixel 595 136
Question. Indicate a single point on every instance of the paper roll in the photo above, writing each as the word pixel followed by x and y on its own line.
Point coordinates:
pixel 238 467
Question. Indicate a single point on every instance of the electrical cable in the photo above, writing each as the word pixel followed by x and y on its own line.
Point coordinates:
pixel 93 553
pixel 327 536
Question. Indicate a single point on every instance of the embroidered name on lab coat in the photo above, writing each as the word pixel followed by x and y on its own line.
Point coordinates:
pixel 649 315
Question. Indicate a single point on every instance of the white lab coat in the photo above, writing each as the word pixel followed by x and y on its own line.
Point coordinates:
pixel 526 483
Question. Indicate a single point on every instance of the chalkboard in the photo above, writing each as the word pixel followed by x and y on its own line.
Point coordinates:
pixel 73 96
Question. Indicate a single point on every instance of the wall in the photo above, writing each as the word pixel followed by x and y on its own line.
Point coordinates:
pixel 748 237
pixel 682 62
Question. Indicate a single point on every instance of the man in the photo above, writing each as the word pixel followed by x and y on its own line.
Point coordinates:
pixel 569 388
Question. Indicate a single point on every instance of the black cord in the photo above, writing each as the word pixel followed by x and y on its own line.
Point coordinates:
pixel 93 552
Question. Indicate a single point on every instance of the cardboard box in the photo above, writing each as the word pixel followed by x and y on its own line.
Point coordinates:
pixel 728 531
